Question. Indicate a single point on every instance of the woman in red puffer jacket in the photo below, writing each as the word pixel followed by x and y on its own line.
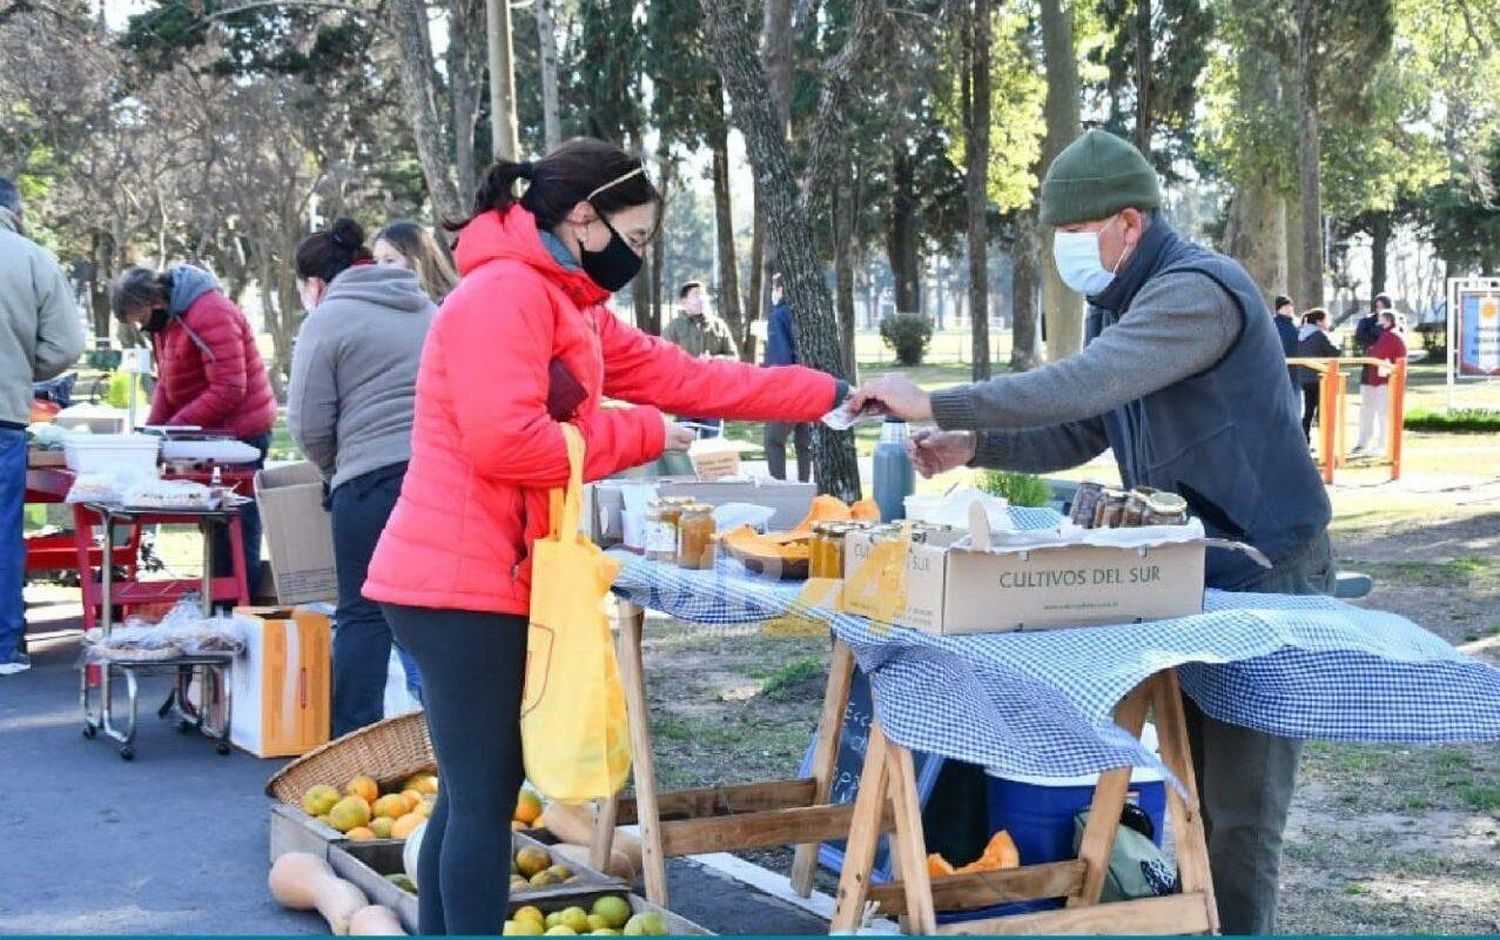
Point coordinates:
pixel 209 372
pixel 523 343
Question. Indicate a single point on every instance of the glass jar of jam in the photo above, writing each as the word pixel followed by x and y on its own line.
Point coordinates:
pixel 695 537
pixel 661 530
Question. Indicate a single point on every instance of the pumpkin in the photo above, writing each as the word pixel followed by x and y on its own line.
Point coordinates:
pixel 866 510
pixel 999 854
pixel 375 920
pixel 303 882
pixel 824 509
pixel 785 547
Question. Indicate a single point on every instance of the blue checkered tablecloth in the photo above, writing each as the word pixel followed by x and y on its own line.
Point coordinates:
pixel 1041 703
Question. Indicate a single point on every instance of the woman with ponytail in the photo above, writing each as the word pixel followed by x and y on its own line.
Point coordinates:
pixel 349 407
pixel 524 344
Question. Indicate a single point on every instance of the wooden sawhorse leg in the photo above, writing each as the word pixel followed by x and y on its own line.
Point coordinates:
pixel 718 819
pixel 888 776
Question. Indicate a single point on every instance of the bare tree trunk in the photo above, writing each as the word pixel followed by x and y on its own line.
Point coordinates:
pixel 777 54
pixel 788 228
pixel 407 21
pixel 1256 233
pixel 664 174
pixel 977 152
pixel 729 271
pixel 504 133
pixel 1380 244
pixel 839 77
pixel 1309 152
pixel 546 29
pixel 465 66
pixel 759 290
pixel 1064 308
pixel 1024 289
pixel 902 248
pixel 845 212
pixel 1143 40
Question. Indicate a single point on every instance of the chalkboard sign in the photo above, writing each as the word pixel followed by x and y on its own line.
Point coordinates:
pixel 859 714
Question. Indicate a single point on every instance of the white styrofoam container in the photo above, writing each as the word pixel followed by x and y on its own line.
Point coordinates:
pixel 111 453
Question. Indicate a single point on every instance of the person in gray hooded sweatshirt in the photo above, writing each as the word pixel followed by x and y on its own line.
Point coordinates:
pixel 1182 376
pixel 349 406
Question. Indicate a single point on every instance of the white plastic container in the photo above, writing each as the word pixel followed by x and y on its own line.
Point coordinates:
pixel 128 454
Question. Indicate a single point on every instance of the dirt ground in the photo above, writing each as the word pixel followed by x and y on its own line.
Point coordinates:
pixel 1383 839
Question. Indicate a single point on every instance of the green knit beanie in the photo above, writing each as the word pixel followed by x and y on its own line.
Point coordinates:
pixel 1096 176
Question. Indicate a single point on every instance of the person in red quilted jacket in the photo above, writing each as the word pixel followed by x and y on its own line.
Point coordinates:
pixel 524 343
pixel 209 371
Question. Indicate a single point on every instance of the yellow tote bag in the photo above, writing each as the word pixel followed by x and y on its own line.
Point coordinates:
pixel 574 734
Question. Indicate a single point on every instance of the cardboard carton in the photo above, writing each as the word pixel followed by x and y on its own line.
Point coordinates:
pixel 299 533
pixel 949 589
pixel 281 685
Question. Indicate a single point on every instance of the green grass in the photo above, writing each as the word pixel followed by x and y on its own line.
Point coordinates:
pixel 1483 798
pixel 1460 421
pixel 1020 489
pixel 785 684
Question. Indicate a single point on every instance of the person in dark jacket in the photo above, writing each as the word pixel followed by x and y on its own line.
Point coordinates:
pixel 781 350
pixel 1285 318
pixel 1367 330
pixel 349 407
pixel 210 374
pixel 1176 336
pixel 1313 343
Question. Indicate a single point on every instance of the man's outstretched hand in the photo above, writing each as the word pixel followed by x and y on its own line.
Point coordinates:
pixel 934 451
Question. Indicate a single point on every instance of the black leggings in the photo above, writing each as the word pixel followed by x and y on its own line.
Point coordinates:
pixel 473 668
pixel 1310 395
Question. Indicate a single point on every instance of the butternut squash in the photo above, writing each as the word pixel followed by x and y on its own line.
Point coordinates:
pixel 304 882
pixel 575 825
pixel 619 863
pixel 376 920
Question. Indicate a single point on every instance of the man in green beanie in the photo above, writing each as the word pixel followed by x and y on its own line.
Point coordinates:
pixel 1182 376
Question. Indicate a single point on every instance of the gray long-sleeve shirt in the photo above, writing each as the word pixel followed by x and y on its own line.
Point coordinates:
pixel 1049 419
pixel 354 372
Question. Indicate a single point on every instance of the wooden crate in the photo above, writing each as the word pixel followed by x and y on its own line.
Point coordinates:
pixel 368 863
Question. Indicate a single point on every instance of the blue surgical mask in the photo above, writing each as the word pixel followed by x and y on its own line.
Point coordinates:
pixel 1077 257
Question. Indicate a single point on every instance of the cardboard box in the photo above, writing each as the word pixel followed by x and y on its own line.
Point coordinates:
pixel 603 503
pixel 945 589
pixel 299 533
pixel 281 685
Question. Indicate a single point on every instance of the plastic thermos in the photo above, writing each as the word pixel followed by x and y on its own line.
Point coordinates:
pixel 895 479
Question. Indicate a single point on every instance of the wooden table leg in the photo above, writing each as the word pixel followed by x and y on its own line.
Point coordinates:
pixel 909 844
pixel 1109 800
pixel 825 758
pixel 605 814
pixel 632 675
pixel 864 836
pixel 1186 815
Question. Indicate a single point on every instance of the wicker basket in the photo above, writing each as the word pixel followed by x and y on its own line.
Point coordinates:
pixel 389 750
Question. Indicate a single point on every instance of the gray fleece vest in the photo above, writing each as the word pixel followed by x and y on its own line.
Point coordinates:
pixel 1228 439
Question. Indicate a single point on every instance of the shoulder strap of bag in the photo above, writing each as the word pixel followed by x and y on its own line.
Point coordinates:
pixel 567 502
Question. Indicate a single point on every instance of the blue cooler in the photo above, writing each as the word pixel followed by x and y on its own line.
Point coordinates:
pixel 1038 813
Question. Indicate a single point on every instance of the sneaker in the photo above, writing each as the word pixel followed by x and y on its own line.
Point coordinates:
pixel 20 663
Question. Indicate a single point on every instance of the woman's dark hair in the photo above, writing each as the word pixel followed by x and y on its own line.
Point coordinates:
pixel 688 288
pixel 1314 316
pixel 328 254
pixel 1282 300
pixel 561 180
pixel 138 287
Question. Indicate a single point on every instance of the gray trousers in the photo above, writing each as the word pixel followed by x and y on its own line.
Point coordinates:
pixel 1246 778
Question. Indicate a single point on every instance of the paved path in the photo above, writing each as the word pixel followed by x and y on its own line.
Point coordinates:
pixel 175 842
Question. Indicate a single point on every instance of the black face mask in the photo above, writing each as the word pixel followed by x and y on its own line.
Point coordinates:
pixel 613 267
pixel 157 322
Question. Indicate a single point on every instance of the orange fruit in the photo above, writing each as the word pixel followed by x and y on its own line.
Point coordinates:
pixel 403 827
pixel 363 787
pixel 413 799
pixel 528 808
pixel 361 834
pixel 392 806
